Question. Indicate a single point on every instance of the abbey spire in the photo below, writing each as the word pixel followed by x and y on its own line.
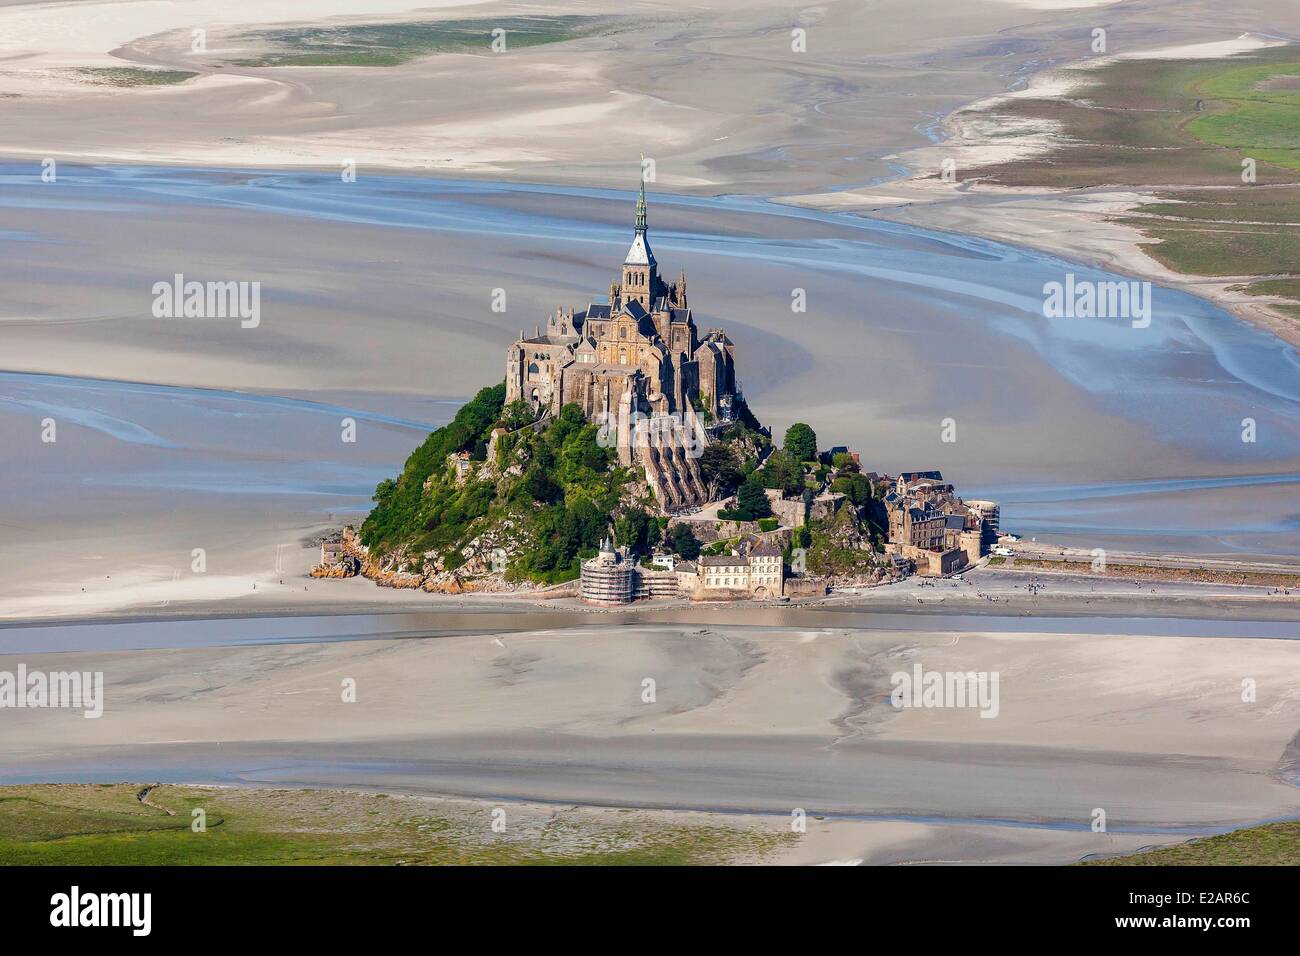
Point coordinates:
pixel 641 210
pixel 640 271
pixel 639 254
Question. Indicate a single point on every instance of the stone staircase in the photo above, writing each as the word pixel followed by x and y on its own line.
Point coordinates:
pixel 671 471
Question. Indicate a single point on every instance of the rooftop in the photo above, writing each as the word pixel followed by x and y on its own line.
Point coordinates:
pixel 723 561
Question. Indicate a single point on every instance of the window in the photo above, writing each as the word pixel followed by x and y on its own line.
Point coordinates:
pixel 622 332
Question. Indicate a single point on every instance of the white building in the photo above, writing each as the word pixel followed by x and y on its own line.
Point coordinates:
pixel 760 574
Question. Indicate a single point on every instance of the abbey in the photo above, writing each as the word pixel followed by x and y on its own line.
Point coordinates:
pixel 640 352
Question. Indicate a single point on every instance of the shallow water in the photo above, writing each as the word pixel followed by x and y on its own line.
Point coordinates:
pixel 306 629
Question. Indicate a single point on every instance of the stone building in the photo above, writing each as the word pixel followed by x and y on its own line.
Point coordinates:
pixel 723 575
pixel 759 575
pixel 636 355
pixel 990 515
pixel 612 578
pixel 793 512
pixel 688 576
pixel 607 579
pixel 766 570
pixel 932 527
pixel 643 340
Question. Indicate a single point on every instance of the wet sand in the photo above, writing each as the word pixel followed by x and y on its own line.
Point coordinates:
pixel 744 721
pixel 713 90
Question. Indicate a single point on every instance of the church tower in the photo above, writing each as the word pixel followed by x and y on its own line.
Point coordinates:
pixel 640 271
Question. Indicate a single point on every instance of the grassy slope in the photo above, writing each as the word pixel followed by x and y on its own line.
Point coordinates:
pixel 556 509
pixel 107 825
pixel 1275 844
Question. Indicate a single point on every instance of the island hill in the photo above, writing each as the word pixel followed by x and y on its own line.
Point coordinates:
pixel 620 461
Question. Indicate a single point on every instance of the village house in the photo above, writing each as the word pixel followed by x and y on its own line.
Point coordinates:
pixel 759 574
pixel 931 527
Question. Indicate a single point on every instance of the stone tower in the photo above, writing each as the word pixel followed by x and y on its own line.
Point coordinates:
pixel 640 271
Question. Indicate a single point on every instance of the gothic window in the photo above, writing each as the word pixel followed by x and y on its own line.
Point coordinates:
pixel 532 368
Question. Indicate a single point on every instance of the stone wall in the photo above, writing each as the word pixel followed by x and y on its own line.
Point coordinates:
pixel 805 587
pixel 707 532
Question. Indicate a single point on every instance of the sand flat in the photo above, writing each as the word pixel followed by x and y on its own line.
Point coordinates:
pixel 755 720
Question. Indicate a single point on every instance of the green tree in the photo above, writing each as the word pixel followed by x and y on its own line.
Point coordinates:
pixel 632 528
pixel 684 542
pixel 398 513
pixel 517 414
pixel 855 487
pixel 720 469
pixel 751 500
pixel 801 442
pixel 784 472
pixel 539 485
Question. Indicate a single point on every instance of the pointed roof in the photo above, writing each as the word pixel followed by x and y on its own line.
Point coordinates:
pixel 639 253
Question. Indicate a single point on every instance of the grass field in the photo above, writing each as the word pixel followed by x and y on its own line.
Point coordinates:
pixel 1184 128
pixel 390 44
pixel 87 825
pixel 133 76
pixel 1222 249
pixel 1274 844
pixel 1250 111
